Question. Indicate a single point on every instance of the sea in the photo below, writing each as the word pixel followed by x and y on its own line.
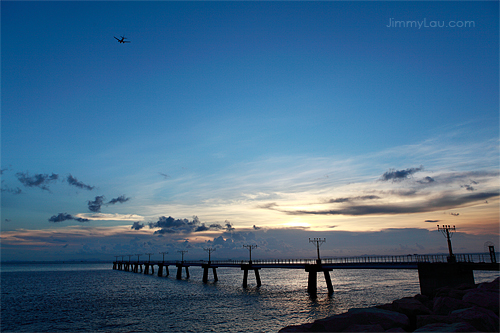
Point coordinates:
pixel 92 297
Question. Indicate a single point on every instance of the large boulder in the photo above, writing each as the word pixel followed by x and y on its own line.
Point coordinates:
pixel 410 307
pixel 444 305
pixel 441 327
pixel 482 319
pixel 484 298
pixel 493 285
pixel 432 319
pixel 355 319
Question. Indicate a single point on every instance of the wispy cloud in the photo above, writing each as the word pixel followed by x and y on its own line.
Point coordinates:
pixel 399 175
pixel 73 181
pixel 38 180
pixel 95 205
pixel 120 199
pixel 65 216
pixel 169 225
pixel 443 202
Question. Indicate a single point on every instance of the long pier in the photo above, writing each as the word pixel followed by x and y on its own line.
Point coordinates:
pixel 434 270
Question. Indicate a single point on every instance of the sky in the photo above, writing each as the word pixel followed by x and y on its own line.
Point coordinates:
pixel 223 124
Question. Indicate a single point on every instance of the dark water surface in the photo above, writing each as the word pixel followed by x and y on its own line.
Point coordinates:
pixel 93 297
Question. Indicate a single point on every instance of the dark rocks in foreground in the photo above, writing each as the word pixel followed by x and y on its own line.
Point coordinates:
pixel 467 308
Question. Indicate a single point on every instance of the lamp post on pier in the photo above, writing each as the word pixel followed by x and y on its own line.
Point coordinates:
pixel 447 231
pixel 129 255
pixel 138 255
pixel 250 248
pixel 149 256
pixel 318 242
pixel 163 255
pixel 182 253
pixel 209 250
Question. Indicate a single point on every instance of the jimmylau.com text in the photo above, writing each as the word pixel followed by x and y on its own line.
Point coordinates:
pixel 430 24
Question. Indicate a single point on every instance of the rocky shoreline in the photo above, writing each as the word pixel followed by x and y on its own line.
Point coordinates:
pixel 466 308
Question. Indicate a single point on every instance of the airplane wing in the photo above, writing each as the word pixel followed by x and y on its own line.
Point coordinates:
pixel 126 41
pixel 116 38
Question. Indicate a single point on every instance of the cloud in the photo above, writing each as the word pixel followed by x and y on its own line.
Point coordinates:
pixel 120 199
pixel 399 175
pixel 137 226
pixel 7 189
pixel 95 206
pixel 73 181
pixel 426 180
pixel 436 203
pixel 169 225
pixel 110 217
pixel 358 198
pixel 38 180
pixel 468 187
pixel 64 216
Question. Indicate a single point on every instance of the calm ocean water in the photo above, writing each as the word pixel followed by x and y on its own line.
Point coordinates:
pixel 82 297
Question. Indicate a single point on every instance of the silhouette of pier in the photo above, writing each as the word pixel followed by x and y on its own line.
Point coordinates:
pixel 434 270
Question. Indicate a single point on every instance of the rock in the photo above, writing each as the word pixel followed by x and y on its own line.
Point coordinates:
pixel 482 319
pixel 440 327
pixel 387 319
pixel 396 329
pixel 450 292
pixel 367 318
pixel 432 319
pixel 444 305
pixel 365 328
pixel 297 328
pixel 410 307
pixel 493 285
pixel 484 298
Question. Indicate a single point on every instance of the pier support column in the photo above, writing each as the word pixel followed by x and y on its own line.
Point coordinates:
pixel 245 268
pixel 146 268
pixel 257 276
pixel 206 267
pixel 205 274
pixel 245 278
pixel 179 271
pixel 312 282
pixel 160 270
pixel 328 282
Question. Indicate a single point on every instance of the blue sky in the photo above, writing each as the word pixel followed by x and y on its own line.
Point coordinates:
pixel 290 119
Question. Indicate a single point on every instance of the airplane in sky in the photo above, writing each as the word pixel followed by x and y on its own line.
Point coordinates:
pixel 122 40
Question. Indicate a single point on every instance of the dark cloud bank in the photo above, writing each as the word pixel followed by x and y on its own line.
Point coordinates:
pixel 64 216
pixel 38 180
pixel 73 181
pixel 169 225
pixel 95 205
pixel 443 202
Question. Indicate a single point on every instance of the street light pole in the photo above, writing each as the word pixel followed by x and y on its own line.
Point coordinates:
pixel 138 255
pixel 163 255
pixel 447 231
pixel 149 258
pixel 318 242
pixel 209 250
pixel 182 252
pixel 250 248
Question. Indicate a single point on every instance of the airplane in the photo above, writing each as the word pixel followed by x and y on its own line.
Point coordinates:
pixel 122 40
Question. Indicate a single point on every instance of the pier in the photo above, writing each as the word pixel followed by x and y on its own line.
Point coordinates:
pixel 434 271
